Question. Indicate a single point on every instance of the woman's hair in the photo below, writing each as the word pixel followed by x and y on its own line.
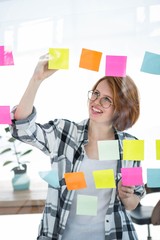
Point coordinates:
pixel 125 100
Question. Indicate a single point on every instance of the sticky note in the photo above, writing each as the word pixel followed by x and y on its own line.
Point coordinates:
pixel 75 180
pixel 151 63
pixel 86 205
pixel 153 177
pixel 58 58
pixel 51 177
pixel 158 149
pixel 116 66
pixel 108 150
pixel 5 117
pixel 6 56
pixel 132 176
pixel 90 59
pixel 133 150
pixel 104 178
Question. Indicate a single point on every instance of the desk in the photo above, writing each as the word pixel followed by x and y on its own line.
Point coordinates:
pixel 22 202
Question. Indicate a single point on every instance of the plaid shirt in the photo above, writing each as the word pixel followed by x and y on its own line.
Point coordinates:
pixel 63 141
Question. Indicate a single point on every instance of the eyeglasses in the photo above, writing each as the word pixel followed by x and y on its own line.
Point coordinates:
pixel 104 101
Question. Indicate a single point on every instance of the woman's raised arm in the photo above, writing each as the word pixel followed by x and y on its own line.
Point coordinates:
pixel 41 72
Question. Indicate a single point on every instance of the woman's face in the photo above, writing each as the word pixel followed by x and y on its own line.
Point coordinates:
pixel 96 110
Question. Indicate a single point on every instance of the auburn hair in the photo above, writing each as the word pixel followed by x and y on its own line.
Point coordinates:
pixel 125 99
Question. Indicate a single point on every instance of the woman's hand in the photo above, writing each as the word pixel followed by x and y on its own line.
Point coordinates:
pixel 127 196
pixel 41 71
pixel 125 191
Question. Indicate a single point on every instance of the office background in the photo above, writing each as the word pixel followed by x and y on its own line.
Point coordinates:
pixel 113 27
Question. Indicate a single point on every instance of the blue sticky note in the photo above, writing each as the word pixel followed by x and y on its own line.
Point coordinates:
pixel 51 177
pixel 151 63
pixel 153 177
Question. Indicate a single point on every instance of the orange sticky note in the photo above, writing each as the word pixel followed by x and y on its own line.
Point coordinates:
pixel 75 180
pixel 90 59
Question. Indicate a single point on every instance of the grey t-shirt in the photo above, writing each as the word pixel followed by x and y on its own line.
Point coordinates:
pixel 90 227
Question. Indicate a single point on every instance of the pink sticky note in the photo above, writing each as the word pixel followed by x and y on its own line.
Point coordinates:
pixel 1 55
pixel 116 66
pixel 6 56
pixel 5 115
pixel 132 176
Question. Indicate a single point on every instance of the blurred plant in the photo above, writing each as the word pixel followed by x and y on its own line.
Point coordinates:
pixel 13 148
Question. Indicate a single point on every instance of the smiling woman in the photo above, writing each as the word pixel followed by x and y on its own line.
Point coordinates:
pixel 118 28
pixel 125 99
pixel 69 146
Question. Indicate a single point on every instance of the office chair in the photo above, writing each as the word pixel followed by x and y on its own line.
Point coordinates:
pixel 142 215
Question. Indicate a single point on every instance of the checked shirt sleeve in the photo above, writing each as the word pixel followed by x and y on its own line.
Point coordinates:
pixel 30 132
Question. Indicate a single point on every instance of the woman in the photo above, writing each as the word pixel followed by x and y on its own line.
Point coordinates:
pixel 113 107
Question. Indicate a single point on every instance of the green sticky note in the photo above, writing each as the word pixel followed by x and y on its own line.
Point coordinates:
pixel 158 149
pixel 86 205
pixel 104 178
pixel 108 150
pixel 58 58
pixel 133 150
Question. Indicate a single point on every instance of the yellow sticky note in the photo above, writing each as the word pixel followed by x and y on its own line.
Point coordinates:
pixel 133 150
pixel 158 149
pixel 104 178
pixel 59 58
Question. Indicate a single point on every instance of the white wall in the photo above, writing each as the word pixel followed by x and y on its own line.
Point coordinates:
pixel 116 27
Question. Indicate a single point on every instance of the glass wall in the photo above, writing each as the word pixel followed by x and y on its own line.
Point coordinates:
pixel 30 28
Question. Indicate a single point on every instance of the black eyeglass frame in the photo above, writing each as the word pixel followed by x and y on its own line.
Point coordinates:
pixel 98 95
